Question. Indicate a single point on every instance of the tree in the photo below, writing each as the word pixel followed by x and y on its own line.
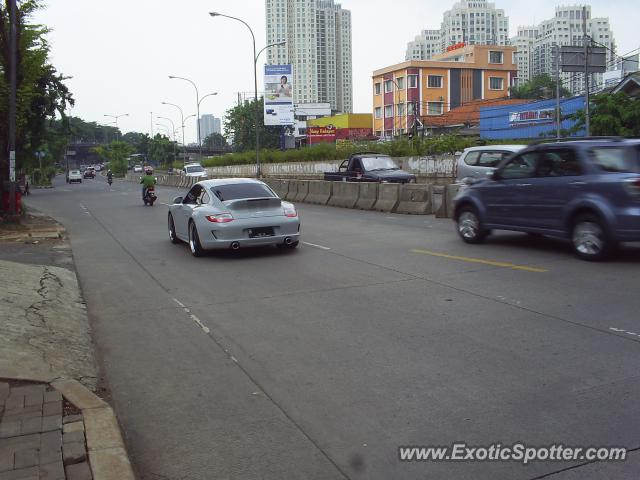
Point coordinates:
pixel 41 93
pixel 117 153
pixel 614 114
pixel 540 87
pixel 215 140
pixel 162 150
pixel 139 141
pixel 240 126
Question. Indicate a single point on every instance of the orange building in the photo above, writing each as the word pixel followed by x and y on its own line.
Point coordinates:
pixel 423 90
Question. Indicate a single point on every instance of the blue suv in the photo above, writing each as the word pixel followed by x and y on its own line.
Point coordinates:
pixel 587 191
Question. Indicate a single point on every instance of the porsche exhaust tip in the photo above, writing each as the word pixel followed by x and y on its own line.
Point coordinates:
pixel 288 241
pixel 235 246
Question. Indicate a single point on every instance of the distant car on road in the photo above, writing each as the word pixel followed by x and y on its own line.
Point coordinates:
pixel 137 169
pixel 89 173
pixel 194 170
pixel 74 176
pixel 476 162
pixel 586 191
pixel 370 167
pixel 232 213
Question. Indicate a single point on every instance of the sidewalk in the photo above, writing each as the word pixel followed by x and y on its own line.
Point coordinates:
pixel 51 424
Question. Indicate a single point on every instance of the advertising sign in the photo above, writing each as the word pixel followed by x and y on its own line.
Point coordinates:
pixel 278 95
pixel 321 134
pixel 545 115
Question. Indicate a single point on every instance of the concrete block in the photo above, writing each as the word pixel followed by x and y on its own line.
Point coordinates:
pixel 388 197
pixel 438 200
pixel 71 418
pixel 31 425
pixel 74 427
pixel 319 192
pixel 73 453
pixel 4 391
pixel 51 423
pixel 52 471
pixel 73 437
pixel 111 464
pixel 102 430
pixel 292 191
pixel 52 408
pixel 368 195
pixel 79 471
pixel 9 429
pixel 415 199
pixel 30 473
pixel 303 191
pixel 450 194
pixel 78 394
pixel 25 458
pixel 52 396
pixel 344 194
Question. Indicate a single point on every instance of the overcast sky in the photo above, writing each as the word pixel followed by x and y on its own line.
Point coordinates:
pixel 121 52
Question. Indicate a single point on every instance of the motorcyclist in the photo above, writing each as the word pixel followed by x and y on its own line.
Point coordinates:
pixel 147 181
pixel 109 176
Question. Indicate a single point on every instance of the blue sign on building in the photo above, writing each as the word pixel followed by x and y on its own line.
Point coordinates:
pixel 528 120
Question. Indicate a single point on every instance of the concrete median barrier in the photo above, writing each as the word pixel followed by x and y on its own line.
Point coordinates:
pixel 303 191
pixel 368 195
pixel 278 185
pixel 388 197
pixel 319 192
pixel 344 194
pixel 414 199
pixel 439 200
pixel 293 190
pixel 450 193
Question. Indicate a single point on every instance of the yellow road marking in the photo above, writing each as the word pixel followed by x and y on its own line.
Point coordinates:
pixel 480 260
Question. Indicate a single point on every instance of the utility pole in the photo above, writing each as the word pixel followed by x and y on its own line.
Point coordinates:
pixel 13 63
pixel 151 113
pixel 558 119
pixel 586 72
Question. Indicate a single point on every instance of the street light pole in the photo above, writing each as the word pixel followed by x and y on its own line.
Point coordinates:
pixel 198 100
pixel 184 146
pixel 116 117
pixel 13 62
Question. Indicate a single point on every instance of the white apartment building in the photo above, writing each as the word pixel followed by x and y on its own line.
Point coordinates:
pixel 474 22
pixel 565 28
pixel 318 45
pixel 208 125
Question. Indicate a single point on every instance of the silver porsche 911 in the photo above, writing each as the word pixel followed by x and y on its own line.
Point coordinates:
pixel 232 213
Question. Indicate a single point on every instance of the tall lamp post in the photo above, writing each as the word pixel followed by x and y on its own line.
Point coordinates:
pixel 116 117
pixel 198 100
pixel 184 146
pixel 255 80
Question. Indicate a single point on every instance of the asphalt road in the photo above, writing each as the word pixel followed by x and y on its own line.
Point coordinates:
pixel 380 331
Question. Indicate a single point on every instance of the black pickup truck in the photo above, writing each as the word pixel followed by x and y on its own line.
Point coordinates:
pixel 369 167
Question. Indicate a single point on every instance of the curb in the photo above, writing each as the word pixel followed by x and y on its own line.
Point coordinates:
pixel 107 454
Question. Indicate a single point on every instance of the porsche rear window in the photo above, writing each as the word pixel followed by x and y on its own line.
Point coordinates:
pixel 239 191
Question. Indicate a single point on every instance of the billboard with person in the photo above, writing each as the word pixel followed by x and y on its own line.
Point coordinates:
pixel 278 95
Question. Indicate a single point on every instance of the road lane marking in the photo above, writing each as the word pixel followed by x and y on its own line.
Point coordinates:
pixel 195 319
pixel 622 330
pixel 492 263
pixel 316 246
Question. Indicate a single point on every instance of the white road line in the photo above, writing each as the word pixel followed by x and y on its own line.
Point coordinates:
pixel 195 319
pixel 622 330
pixel 167 204
pixel 316 246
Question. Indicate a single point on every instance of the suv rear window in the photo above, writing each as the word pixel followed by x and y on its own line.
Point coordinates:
pixel 241 190
pixel 616 159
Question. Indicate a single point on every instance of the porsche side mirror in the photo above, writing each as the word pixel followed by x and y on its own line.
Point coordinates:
pixel 177 200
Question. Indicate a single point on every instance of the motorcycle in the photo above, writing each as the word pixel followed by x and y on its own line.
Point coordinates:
pixel 150 196
pixel 109 181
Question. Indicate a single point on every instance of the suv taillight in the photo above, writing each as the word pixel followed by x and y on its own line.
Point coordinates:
pixel 632 186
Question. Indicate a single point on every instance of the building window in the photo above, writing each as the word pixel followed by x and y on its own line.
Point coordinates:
pixel 378 112
pixel 496 57
pixel 376 88
pixel 400 82
pixel 412 81
pixel 435 108
pixel 496 83
pixel 388 86
pixel 411 108
pixel 400 110
pixel 434 81
pixel 388 111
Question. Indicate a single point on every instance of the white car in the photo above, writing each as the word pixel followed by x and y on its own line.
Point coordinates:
pixel 74 176
pixel 194 170
pixel 137 169
pixel 476 162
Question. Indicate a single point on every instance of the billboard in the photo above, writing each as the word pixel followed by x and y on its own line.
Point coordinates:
pixel 321 134
pixel 544 115
pixel 572 59
pixel 278 95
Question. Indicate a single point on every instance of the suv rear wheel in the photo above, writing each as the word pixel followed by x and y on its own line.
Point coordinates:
pixel 590 239
pixel 469 227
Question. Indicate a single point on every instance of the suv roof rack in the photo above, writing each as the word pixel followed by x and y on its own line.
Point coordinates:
pixel 576 139
pixel 368 153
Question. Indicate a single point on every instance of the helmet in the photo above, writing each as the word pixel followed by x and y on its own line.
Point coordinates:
pixel 148 170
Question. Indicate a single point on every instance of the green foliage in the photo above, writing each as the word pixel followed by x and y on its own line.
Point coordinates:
pixel 240 123
pixel 329 151
pixel 141 142
pixel 614 114
pixel 117 153
pixel 41 92
pixel 215 140
pixel 540 87
pixel 161 150
pixel 42 177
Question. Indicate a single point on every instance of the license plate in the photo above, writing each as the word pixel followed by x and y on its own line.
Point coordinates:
pixel 260 232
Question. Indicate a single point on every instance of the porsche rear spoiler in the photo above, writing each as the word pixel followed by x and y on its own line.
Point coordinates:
pixel 258 202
